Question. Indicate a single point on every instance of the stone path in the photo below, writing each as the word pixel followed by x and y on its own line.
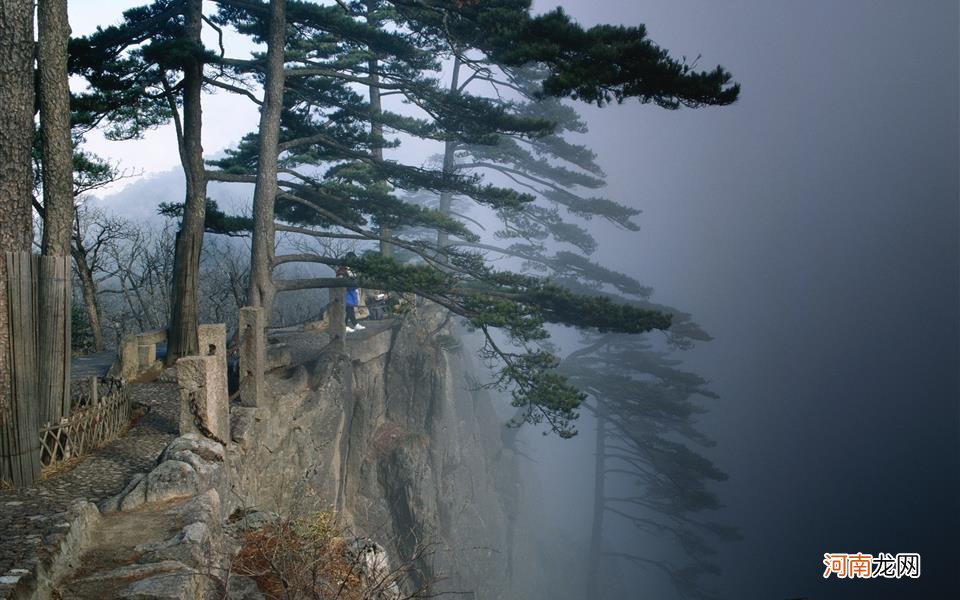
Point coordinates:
pixel 88 365
pixel 305 346
pixel 29 515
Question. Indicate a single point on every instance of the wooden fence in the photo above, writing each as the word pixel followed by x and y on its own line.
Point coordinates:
pixel 101 412
pixel 36 359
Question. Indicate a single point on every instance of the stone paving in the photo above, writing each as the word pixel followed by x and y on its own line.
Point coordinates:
pixel 89 365
pixel 28 516
pixel 305 346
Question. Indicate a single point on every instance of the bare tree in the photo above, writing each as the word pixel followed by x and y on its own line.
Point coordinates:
pixel 93 233
pixel 138 269
pixel 126 270
pixel 224 282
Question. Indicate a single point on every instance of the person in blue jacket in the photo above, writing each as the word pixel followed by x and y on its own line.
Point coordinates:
pixel 351 300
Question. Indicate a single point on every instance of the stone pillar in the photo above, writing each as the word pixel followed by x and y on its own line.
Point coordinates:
pixel 146 355
pixel 336 318
pixel 253 359
pixel 129 357
pixel 204 402
pixel 213 341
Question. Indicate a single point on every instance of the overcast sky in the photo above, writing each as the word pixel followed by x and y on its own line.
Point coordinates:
pixel 812 228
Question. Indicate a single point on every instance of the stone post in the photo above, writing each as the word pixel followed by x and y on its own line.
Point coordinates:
pixel 129 357
pixel 146 355
pixel 213 341
pixel 253 359
pixel 204 402
pixel 336 319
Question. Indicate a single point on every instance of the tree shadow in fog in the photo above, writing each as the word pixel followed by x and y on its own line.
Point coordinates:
pixel 648 444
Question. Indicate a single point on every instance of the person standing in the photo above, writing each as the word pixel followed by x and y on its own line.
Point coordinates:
pixel 351 301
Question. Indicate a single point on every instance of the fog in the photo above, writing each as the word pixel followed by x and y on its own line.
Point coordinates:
pixel 812 230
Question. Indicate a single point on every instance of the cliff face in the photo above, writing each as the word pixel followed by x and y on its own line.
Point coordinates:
pixel 395 438
pixel 425 463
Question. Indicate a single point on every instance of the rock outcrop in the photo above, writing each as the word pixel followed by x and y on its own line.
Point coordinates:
pixel 389 435
pixel 393 437
pixel 425 463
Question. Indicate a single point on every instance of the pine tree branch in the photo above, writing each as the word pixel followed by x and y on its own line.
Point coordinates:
pixel 234 89
pixel 318 234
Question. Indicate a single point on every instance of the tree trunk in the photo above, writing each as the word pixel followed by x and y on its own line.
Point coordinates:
pixel 57 145
pixel 57 150
pixel 449 148
pixel 261 290
pixel 376 133
pixel 376 124
pixel 185 311
pixel 594 560
pixel 16 231
pixel 88 288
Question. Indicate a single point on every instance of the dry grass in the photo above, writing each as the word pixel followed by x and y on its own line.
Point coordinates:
pixel 300 558
pixel 310 558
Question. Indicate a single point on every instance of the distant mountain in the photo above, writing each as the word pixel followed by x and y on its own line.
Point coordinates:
pixel 140 199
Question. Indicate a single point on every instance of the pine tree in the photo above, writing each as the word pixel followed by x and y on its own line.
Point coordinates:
pixel 646 408
pixel 335 180
pixel 132 70
pixel 644 404
pixel 261 289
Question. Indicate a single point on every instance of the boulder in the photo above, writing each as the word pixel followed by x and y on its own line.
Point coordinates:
pixel 171 479
pixel 178 585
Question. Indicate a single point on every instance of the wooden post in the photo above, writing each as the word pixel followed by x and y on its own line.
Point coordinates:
pixel 94 390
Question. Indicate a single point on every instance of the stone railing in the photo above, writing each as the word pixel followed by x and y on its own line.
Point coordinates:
pixel 204 398
pixel 253 355
pixel 138 353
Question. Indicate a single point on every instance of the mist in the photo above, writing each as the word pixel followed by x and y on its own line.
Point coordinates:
pixel 812 230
